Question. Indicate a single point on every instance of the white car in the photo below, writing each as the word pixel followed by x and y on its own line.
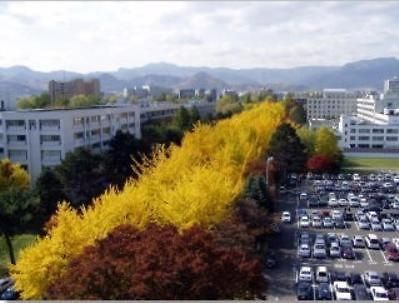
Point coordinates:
pixel 363 222
pixel 387 225
pixel 358 242
pixel 333 202
pixel 316 222
pixel 364 203
pixel 336 213
pixel 335 250
pixel 331 196
pixel 304 221
pixel 322 275
pixel 286 217
pixel 342 202
pixel 372 241
pixel 342 291
pixel 305 274
pixel 303 196
pixel 356 177
pixel 354 202
pixel 396 179
pixel 379 293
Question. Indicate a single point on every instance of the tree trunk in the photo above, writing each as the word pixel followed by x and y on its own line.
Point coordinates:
pixel 10 248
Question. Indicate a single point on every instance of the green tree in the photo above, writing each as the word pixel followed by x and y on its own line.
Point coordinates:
pixel 297 114
pixel 118 159
pixel 228 105
pixel 41 101
pixel 195 115
pixel 287 149
pixel 326 143
pixel 308 138
pixel 81 174
pixel 84 101
pixel 50 191
pixel 16 204
pixel 182 119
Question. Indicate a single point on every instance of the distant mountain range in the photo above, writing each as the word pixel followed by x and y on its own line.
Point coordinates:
pixel 20 80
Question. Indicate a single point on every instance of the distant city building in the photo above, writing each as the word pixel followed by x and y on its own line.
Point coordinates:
pixel 329 103
pixel 40 138
pixel 138 92
pixel 66 90
pixel 230 92
pixel 200 93
pixel 211 95
pixel 376 124
pixel 186 93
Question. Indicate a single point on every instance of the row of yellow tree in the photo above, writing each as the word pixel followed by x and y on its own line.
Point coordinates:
pixel 194 184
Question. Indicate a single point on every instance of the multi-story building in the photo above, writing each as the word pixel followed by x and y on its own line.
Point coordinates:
pixel 186 93
pixel 376 124
pixel 329 103
pixel 39 138
pixel 66 90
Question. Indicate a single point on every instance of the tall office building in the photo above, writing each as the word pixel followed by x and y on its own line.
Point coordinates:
pixel 66 90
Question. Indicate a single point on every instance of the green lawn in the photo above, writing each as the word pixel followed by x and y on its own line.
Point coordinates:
pixel 19 242
pixel 370 164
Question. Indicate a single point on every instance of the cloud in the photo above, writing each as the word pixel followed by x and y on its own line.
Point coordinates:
pixel 89 36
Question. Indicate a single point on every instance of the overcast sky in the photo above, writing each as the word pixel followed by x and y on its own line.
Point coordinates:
pixel 90 36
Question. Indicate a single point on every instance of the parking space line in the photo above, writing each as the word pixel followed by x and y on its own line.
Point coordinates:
pixel 385 258
pixel 371 261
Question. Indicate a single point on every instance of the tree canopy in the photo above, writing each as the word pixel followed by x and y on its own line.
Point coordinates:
pixel 326 143
pixel 158 263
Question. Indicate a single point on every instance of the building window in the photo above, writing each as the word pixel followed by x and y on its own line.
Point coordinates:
pixel 377 146
pixel 78 135
pixel 78 121
pixel 16 138
pixel 50 139
pixel 392 139
pixel 364 138
pixel 392 131
pixel 49 124
pixel 378 138
pixel 378 131
pixel 17 154
pixel 364 131
pixel 51 154
pixel 15 123
pixel 353 138
pixel 95 119
pixel 364 145
pixel 353 131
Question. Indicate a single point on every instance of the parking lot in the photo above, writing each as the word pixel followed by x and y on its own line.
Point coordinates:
pixel 284 278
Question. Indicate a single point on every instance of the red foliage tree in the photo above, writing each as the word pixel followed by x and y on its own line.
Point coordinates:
pixel 319 163
pixel 159 263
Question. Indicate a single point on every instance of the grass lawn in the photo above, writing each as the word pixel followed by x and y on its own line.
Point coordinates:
pixel 19 242
pixel 370 164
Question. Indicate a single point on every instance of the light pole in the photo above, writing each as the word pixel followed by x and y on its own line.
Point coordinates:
pixel 269 159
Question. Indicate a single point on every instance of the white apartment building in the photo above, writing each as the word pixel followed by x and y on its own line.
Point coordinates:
pixel 329 103
pixel 42 137
pixel 376 124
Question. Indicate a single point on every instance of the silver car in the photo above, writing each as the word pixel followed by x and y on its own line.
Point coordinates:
pixel 328 222
pixel 364 223
pixel 319 251
pixel 304 251
pixel 376 225
pixel 335 250
pixel 387 225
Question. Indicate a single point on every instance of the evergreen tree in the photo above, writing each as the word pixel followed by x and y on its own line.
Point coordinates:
pixel 287 149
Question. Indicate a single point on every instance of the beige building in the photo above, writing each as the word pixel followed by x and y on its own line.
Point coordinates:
pixel 66 90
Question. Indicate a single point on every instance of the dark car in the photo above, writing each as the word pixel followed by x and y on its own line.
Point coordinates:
pixel 393 293
pixel 390 279
pixel 304 291
pixel 360 292
pixel 355 278
pixel 10 294
pixel 391 252
pixel 313 202
pixel 348 216
pixel 347 252
pixel 339 222
pixel 339 276
pixel 323 292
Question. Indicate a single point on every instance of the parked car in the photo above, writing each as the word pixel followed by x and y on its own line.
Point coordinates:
pixel 379 293
pixel 393 293
pixel 304 251
pixel 344 240
pixel 364 223
pixel 347 252
pixel 355 278
pixel 316 222
pixel 375 225
pixel 360 293
pixel 384 242
pixel 390 279
pixel 286 217
pixel 335 250
pixel 305 274
pixel 304 291
pixel 323 292
pixel 319 250
pixel 322 274
pixel 339 276
pixel 333 202
pixel 372 278
pixel 387 225
pixel 372 241
pixel 10 294
pixel 391 252
pixel 358 242
pixel 304 222
pixel 342 291
pixel 339 222
pixel 328 222
pixel 342 202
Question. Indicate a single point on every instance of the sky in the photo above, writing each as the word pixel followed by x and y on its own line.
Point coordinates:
pixel 104 36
